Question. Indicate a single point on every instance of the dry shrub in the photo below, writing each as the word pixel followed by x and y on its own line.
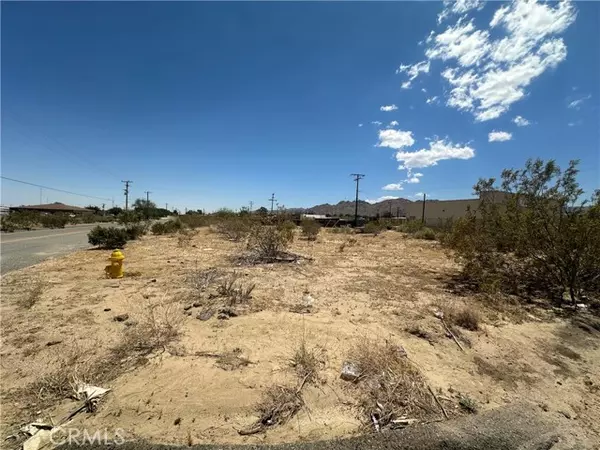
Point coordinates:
pixel 278 406
pixel 234 228
pixel 201 279
pixel 234 290
pixel 310 229
pixel 307 362
pixel 184 238
pixel 465 317
pixel 158 323
pixel 33 295
pixel 268 243
pixel 468 404
pixel 417 330
pixel 390 385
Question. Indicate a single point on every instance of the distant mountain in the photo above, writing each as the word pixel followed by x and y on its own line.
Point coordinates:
pixel 346 208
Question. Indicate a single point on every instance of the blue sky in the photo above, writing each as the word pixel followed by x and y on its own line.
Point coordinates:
pixel 218 104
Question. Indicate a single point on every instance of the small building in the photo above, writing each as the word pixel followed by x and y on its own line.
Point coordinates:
pixel 53 208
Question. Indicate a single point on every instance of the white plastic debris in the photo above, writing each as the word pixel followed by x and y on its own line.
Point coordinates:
pixel 89 392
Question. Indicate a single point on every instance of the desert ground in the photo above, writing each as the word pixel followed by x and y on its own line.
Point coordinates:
pixel 211 364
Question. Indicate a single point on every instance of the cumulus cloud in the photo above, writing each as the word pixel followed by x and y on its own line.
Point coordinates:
pixel 395 139
pixel 393 187
pixel 381 199
pixel 388 108
pixel 413 71
pixel 499 136
pixel 376 122
pixel 431 100
pixel 439 150
pixel 452 7
pixel 394 123
pixel 521 121
pixel 488 75
pixel 576 104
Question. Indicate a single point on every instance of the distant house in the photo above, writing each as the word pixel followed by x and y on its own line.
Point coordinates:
pixel 53 208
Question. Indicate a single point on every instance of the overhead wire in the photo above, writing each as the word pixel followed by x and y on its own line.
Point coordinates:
pixel 54 189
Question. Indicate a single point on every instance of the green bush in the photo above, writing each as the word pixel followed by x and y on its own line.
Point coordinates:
pixel 135 231
pixel 287 229
pixel 194 221
pixel 310 229
pixel 109 238
pixel 53 220
pixel 235 228
pixel 127 217
pixel 373 228
pixel 168 227
pixel 21 220
pixel 424 233
pixel 6 225
pixel 540 240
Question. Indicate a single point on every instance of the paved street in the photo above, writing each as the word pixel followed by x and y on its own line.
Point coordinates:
pixel 25 248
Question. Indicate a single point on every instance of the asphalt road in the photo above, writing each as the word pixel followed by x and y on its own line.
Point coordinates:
pixel 25 248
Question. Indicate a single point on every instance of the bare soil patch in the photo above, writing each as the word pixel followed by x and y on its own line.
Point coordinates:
pixel 210 348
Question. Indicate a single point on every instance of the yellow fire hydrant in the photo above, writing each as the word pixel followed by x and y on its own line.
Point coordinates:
pixel 115 269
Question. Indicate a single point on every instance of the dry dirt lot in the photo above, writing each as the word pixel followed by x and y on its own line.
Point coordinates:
pixel 352 292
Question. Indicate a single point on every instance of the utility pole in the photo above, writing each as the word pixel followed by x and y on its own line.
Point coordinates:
pixel 272 200
pixel 147 203
pixel 251 204
pixel 126 190
pixel 113 202
pixel 167 206
pixel 103 205
pixel 357 178
pixel 423 213
pixel 40 196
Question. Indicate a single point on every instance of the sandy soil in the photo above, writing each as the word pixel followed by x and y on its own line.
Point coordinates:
pixel 371 291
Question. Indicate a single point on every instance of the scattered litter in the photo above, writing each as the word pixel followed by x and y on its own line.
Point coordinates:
pixel 121 318
pixel 440 315
pixel 581 306
pixel 350 372
pixel 402 422
pixel 34 427
pixel 375 421
pixel 308 300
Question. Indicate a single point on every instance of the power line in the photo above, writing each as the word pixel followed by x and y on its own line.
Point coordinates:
pixel 52 189
pixel 357 178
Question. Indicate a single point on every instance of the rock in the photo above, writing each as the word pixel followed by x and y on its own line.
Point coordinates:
pixel 186 307
pixel 222 316
pixel 566 414
pixel 349 372
pixel 130 323
pixel 51 343
pixel 228 312
pixel 106 309
pixel 121 318
pixel 197 304
pixel 205 315
pixel 187 313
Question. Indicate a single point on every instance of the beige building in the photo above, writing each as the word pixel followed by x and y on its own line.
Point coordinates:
pixel 438 212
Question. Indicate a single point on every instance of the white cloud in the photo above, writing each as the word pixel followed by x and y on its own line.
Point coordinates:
pixel 413 71
pixel 406 85
pixel 394 123
pixel 576 104
pixel 499 136
pixel 438 150
pixel 360 125
pixel 488 75
pixel 381 199
pixel 431 100
pixel 393 187
pixel 419 195
pixel 388 108
pixel 521 121
pixel 376 122
pixel 413 179
pixel 458 7
pixel 395 139
pixel 424 90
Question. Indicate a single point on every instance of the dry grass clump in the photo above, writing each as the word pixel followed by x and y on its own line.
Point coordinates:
pixel 184 238
pixel 468 404
pixel 234 228
pixel 307 362
pixel 390 386
pixel 33 295
pixel 278 405
pixel 417 330
pixel 158 323
pixel 201 280
pixel 235 291
pixel 268 243
pixel 465 317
